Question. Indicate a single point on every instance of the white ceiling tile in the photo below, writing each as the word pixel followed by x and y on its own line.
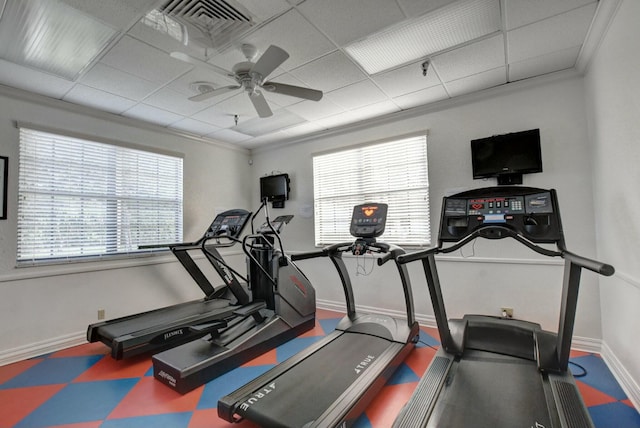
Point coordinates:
pixel 118 13
pixel 98 99
pixel 329 72
pixel 217 118
pixel 357 95
pixel 230 136
pixel 560 32
pixel 257 126
pixel 109 79
pixel 195 126
pixel 523 12
pixel 544 64
pixel 302 129
pixel 406 79
pixel 302 41
pixel 373 110
pixel 238 105
pixel 265 9
pixel 142 60
pixel 471 59
pixel 313 110
pixel 357 18
pixel 424 96
pixel 152 114
pixel 170 100
pixel 183 83
pixel 413 8
pixel 31 80
pixel 477 82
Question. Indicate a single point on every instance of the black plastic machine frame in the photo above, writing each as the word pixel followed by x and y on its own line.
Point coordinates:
pixel 493 371
pixel 282 307
pixel 159 329
pixel 331 382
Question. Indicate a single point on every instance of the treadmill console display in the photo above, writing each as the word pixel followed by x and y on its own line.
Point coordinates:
pixel 368 220
pixel 528 211
pixel 228 224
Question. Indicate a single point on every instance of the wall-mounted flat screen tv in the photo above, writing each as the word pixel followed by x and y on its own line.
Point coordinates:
pixel 275 188
pixel 507 156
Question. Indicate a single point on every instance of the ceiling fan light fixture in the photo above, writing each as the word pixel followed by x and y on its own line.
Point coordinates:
pixel 52 36
pixel 444 28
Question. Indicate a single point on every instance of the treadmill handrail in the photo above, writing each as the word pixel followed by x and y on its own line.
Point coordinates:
pixel 593 265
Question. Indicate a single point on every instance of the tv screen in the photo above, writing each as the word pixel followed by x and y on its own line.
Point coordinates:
pixel 274 187
pixel 516 153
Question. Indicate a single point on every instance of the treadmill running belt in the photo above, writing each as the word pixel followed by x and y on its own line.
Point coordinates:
pixel 490 390
pixel 164 317
pixel 303 393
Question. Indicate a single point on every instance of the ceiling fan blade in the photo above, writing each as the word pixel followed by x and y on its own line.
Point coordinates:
pixel 269 61
pixel 210 94
pixel 260 103
pixel 226 75
pixel 294 91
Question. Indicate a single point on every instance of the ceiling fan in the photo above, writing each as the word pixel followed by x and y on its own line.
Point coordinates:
pixel 250 77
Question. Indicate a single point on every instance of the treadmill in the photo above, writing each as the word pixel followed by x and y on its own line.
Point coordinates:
pixel 283 307
pixel 331 382
pixel 498 371
pixel 160 329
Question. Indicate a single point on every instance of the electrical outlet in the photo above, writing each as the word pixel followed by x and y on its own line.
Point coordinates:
pixel 101 314
pixel 506 312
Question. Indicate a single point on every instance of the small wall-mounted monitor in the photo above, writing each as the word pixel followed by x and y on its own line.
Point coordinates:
pixel 275 188
pixel 507 156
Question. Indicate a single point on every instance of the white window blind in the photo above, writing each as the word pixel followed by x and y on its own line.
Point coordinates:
pixel 394 173
pixel 80 198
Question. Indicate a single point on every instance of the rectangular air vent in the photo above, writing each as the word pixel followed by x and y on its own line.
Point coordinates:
pixel 219 21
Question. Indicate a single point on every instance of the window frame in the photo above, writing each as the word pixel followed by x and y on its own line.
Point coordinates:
pixel 425 241
pixel 33 259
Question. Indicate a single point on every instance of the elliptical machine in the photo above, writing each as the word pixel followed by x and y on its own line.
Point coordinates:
pixel 281 307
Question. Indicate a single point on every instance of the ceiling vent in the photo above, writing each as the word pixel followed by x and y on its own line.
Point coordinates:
pixel 219 21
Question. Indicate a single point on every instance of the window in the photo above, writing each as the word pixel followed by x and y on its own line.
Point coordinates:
pixel 83 199
pixel 393 172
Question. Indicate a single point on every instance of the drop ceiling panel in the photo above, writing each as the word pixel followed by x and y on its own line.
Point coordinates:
pixel 152 114
pixel 117 13
pixel 195 127
pixel 86 96
pixel 175 102
pixel 357 95
pixel 230 136
pixel 138 78
pixel 142 60
pixel 114 81
pixel 471 59
pixel 25 78
pixel 555 61
pixel 329 72
pixel 314 110
pixel 357 18
pixel 523 12
pixel 424 96
pixel 477 82
pixel 414 8
pixel 295 35
pixel 557 33
pixel 406 79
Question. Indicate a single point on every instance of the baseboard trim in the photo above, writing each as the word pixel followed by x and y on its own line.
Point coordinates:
pixel 626 381
pixel 41 348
